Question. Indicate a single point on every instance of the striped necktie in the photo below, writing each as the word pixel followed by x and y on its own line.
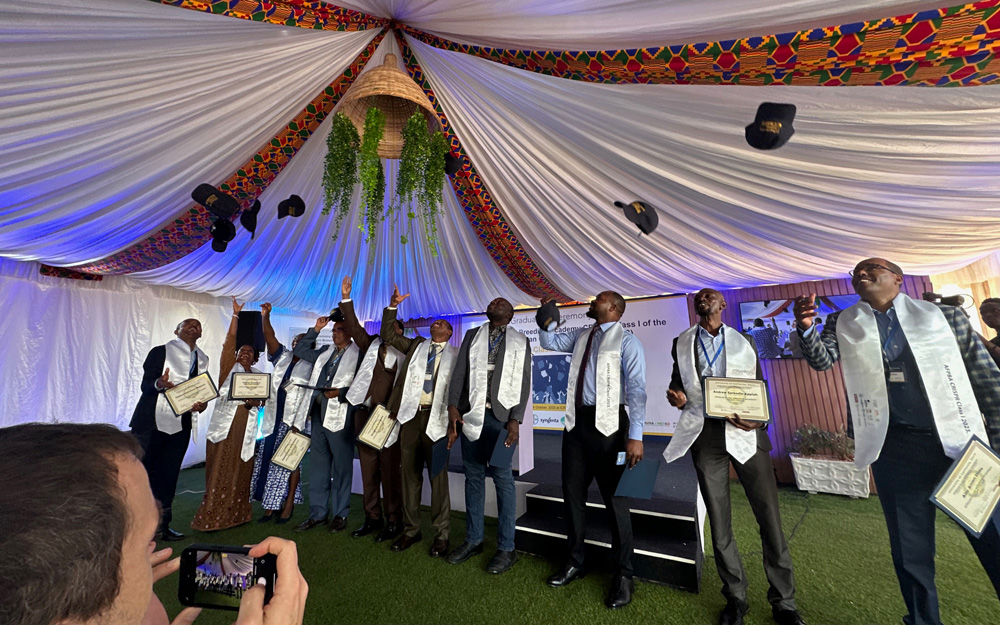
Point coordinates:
pixel 429 373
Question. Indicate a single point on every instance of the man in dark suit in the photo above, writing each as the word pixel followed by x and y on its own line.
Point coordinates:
pixel 486 400
pixel 163 436
pixel 419 402
pixel 710 348
pixel 929 418
pixel 380 469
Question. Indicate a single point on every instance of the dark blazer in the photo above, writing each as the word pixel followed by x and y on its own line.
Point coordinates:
pixel 306 350
pixel 676 384
pixel 144 415
pixel 458 394
pixel 822 351
pixel 406 345
pixel 382 378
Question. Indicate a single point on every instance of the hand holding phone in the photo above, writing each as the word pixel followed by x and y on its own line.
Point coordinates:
pixel 217 576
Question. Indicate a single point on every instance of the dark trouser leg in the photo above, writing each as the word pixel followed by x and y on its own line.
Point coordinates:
pixel 604 456
pixel 368 458
pixel 392 482
pixel 711 462
pixel 440 493
pixel 987 547
pixel 907 471
pixel 163 455
pixel 757 477
pixel 319 469
pixel 475 482
pixel 576 478
pixel 342 468
pixel 410 434
pixel 503 481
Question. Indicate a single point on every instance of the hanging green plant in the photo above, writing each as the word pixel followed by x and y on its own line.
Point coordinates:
pixel 431 189
pixel 412 160
pixel 371 173
pixel 340 167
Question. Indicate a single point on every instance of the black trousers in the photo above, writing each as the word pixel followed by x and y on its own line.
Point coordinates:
pixel 711 462
pixel 162 456
pixel 906 473
pixel 588 455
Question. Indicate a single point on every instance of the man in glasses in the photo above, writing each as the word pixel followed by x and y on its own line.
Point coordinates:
pixel 919 382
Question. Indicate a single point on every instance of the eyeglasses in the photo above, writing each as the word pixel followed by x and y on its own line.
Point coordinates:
pixel 869 269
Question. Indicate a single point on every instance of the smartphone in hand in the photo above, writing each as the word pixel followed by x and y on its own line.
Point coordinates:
pixel 216 576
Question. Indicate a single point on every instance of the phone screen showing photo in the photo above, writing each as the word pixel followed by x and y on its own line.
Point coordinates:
pixel 221 578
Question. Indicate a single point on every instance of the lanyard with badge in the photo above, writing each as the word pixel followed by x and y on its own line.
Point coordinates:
pixel 897 373
pixel 711 360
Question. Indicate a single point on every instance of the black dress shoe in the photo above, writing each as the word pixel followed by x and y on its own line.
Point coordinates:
pixel 501 562
pixel 439 548
pixel 621 592
pixel 370 527
pixel 169 535
pixel 391 531
pixel 267 518
pixel 338 524
pixel 282 520
pixel 787 617
pixel 733 613
pixel 404 542
pixel 463 552
pixel 565 576
pixel 308 524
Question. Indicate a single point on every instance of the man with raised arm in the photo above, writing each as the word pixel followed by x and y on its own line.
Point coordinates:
pixel 419 401
pixel 919 383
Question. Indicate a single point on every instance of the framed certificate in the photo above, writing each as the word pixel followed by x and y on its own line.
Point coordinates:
pixel 970 491
pixel 725 397
pixel 250 386
pixel 199 389
pixel 378 429
pixel 290 452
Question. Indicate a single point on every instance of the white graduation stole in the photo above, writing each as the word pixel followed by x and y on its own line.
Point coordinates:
pixel 509 393
pixel 335 417
pixel 413 388
pixel 741 362
pixel 225 412
pixel 608 379
pixel 363 380
pixel 942 371
pixel 292 417
pixel 178 360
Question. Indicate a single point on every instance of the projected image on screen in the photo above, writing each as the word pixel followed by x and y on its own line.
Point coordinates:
pixel 550 375
pixel 770 324
pixel 222 578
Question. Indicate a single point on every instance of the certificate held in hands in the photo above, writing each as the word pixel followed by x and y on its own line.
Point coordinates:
pixel 378 428
pixel 291 451
pixel 970 491
pixel 250 386
pixel 725 397
pixel 183 397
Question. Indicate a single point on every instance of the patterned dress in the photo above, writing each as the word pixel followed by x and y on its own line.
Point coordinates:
pixel 272 490
pixel 227 477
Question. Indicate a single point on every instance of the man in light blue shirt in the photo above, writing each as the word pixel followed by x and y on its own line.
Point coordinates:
pixel 592 450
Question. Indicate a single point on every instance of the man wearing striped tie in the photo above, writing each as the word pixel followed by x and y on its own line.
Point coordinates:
pixel 419 401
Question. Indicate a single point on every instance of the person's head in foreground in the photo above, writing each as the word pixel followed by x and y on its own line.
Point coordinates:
pixel 77 522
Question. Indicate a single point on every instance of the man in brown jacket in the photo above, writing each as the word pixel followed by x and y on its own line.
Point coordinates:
pixel 380 470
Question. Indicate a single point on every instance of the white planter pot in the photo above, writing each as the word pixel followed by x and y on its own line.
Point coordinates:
pixel 838 477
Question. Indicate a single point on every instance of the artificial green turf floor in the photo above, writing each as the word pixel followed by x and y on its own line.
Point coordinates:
pixel 840 550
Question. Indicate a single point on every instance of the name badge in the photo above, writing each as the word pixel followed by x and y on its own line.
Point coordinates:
pixel 490 367
pixel 621 458
pixel 897 375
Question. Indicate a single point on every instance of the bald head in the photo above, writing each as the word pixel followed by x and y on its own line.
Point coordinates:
pixel 708 303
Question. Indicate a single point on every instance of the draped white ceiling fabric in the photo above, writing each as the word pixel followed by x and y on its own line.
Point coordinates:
pixel 296 262
pixel 617 24
pixel 112 111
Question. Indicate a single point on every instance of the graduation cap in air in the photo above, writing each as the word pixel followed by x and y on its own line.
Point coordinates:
pixel 336 315
pixel 223 231
pixel 215 201
pixel 641 214
pixel 772 128
pixel 452 164
pixel 248 218
pixel 293 206
pixel 547 315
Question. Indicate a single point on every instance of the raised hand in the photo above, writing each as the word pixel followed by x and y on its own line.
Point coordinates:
pixel 677 399
pixel 265 309
pixel 397 299
pixel 164 381
pixel 321 323
pixel 805 310
pixel 237 307
pixel 345 288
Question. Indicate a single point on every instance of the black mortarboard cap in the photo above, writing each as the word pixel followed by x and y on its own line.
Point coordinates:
pixel 547 314
pixel 772 128
pixel 248 218
pixel 336 315
pixel 641 214
pixel 215 201
pixel 223 231
pixel 293 206
pixel 452 164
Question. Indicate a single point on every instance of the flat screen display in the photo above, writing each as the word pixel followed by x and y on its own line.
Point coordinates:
pixel 770 324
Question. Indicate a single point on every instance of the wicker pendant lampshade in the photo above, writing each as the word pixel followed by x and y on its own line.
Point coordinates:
pixel 390 90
